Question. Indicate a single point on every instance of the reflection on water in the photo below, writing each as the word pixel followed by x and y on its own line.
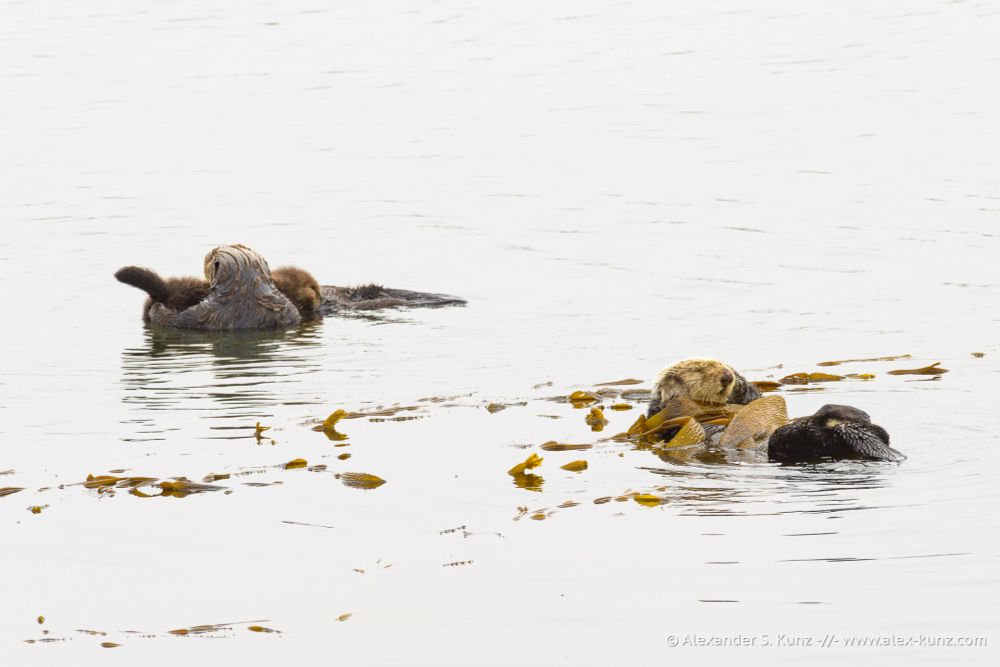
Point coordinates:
pixel 220 375
pixel 754 487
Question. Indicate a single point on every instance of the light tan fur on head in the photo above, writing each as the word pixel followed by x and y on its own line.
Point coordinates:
pixel 700 379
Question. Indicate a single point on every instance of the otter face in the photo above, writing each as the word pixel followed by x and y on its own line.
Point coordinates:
pixel 704 380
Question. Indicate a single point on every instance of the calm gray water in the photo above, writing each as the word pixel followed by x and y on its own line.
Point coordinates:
pixel 612 186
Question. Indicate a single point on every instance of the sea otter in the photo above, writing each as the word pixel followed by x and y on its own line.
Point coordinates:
pixel 834 431
pixel 181 293
pixel 703 380
pixel 242 292
pixel 241 295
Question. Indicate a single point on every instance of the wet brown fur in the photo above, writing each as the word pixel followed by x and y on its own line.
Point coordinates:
pixel 300 288
pixel 181 293
pixel 242 292
pixel 184 292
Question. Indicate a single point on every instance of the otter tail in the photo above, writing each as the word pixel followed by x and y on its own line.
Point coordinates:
pixel 147 280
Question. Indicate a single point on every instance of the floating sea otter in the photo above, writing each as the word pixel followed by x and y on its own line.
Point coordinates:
pixel 713 394
pixel 241 292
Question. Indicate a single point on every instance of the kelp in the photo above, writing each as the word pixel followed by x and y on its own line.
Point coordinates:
pixel 328 427
pixel 933 369
pixel 648 499
pixel 553 446
pixel 755 423
pixel 210 628
pixel 851 361
pixel 677 431
pixel 533 461
pixel 595 419
pixel 581 399
pixel 181 487
pixel 8 490
pixel 528 481
pixel 360 480
pixel 809 378
pixel 618 383
pixel 575 466
pixel 767 385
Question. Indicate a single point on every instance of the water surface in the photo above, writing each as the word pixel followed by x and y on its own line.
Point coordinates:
pixel 612 186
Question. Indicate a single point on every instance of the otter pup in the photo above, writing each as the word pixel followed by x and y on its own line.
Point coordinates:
pixel 834 431
pixel 300 288
pixel 703 380
pixel 175 293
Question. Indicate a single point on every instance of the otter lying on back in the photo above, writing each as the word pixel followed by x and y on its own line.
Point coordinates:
pixel 834 431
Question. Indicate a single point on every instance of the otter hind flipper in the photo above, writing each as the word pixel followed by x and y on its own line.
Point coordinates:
pixel 147 280
pixel 423 299
pixel 866 442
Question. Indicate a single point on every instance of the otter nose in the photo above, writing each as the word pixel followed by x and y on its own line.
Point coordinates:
pixel 727 377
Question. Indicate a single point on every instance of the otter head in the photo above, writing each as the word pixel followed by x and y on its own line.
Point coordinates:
pixel 703 380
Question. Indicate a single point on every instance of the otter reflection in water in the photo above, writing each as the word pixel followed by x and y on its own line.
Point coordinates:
pixel 241 292
pixel 233 380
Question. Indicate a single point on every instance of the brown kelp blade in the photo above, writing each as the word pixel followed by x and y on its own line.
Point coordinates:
pixel 690 433
pixel 850 361
pixel 755 423
pixel 933 369
pixel 809 378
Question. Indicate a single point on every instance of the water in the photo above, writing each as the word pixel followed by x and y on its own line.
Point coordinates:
pixel 612 186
